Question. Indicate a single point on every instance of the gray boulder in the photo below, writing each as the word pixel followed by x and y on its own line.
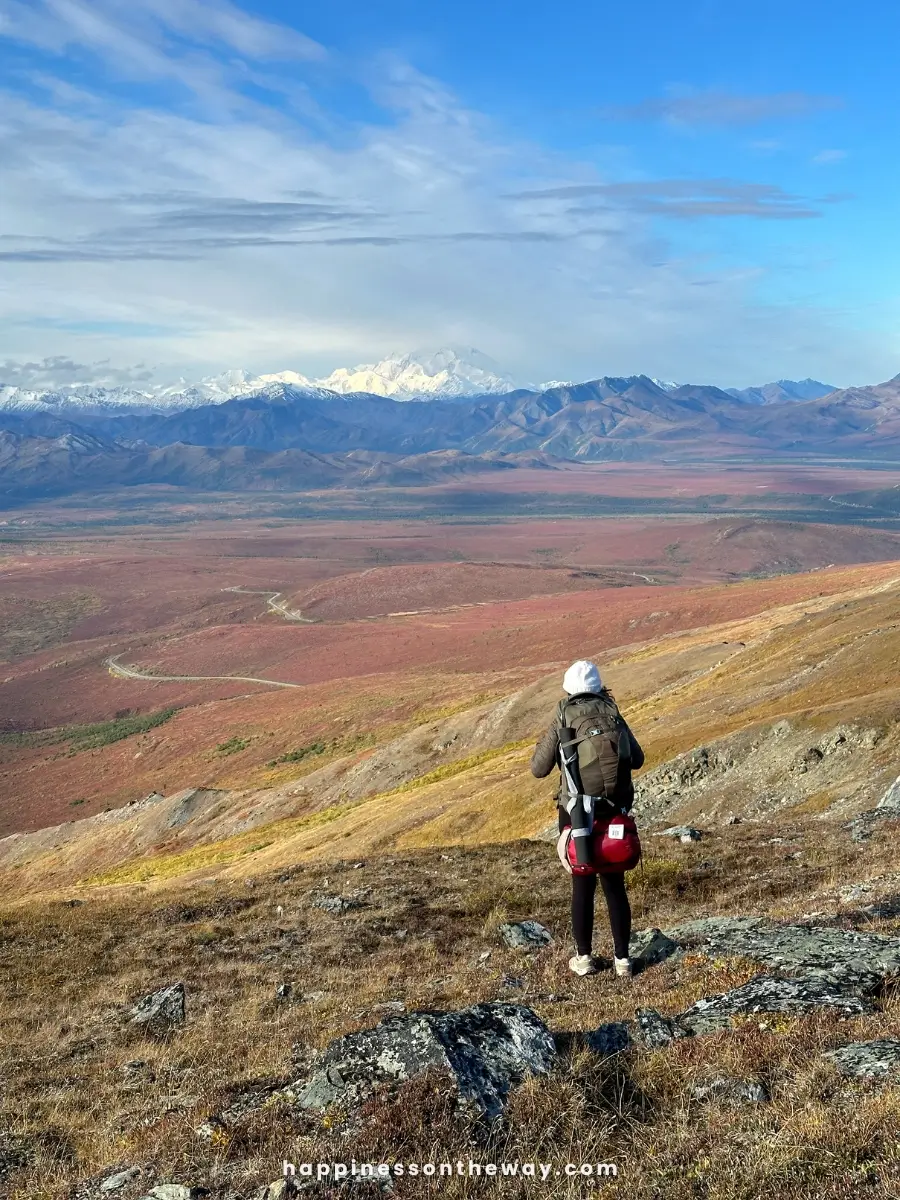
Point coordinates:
pixel 732 1091
pixel 652 1030
pixel 161 1011
pixel 651 946
pixel 860 960
pixel 867 1060
pixel 486 1049
pixel 772 994
pixel 526 935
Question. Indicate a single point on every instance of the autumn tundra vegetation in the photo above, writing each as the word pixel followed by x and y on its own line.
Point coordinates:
pixel 227 904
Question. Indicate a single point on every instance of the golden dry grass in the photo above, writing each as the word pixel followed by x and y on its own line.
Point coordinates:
pixel 68 973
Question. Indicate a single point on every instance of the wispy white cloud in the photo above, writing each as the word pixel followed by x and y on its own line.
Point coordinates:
pixel 249 233
pixel 685 199
pixel 723 108
pixel 828 157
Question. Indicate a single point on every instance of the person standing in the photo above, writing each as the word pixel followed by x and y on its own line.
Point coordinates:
pixel 589 717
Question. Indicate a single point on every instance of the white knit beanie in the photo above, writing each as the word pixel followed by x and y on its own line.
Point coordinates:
pixel 582 676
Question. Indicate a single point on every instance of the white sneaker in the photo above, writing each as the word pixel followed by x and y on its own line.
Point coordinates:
pixel 583 964
pixel 623 967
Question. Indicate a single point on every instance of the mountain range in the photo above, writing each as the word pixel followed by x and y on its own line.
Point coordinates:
pixel 421 375
pixel 287 436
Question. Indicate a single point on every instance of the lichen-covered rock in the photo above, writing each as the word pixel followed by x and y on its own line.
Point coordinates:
pixel 860 960
pixel 336 905
pixel 652 1030
pixel 732 1091
pixel 772 994
pixel 651 946
pixel 161 1011
pixel 867 1060
pixel 486 1050
pixel 526 935
pixel 118 1180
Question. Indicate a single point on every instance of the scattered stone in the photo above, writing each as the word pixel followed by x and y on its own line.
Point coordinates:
pixel 733 820
pixel 112 1183
pixel 161 1011
pixel 768 994
pixel 336 905
pixel 313 997
pixel 283 991
pixel 653 1030
pixel 526 935
pixel 175 1191
pixel 684 833
pixel 512 982
pixel 390 1006
pixel 859 960
pixel 486 1049
pixel 484 956
pixel 867 1060
pixel 651 946
pixel 211 1128
pixel 733 1091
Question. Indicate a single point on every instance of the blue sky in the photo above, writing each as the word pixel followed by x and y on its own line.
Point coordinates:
pixel 701 191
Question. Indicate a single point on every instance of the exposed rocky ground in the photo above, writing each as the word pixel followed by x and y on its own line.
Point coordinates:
pixel 418 1008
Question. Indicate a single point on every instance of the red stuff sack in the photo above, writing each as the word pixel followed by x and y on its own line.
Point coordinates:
pixel 615 847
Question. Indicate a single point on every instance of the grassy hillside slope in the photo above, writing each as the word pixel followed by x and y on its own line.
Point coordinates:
pixel 762 690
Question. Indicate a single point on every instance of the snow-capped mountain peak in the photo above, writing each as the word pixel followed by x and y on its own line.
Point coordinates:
pixel 447 372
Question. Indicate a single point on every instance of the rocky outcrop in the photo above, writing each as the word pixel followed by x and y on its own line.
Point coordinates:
pixel 771 994
pixel 867 1060
pixel 758 771
pixel 486 1050
pixel 652 1030
pixel 860 961
pixel 161 1011
pixel 887 809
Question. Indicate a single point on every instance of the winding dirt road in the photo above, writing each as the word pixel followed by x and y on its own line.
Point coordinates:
pixel 274 603
pixel 125 672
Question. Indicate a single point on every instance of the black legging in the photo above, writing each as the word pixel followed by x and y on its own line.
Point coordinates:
pixel 584 888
